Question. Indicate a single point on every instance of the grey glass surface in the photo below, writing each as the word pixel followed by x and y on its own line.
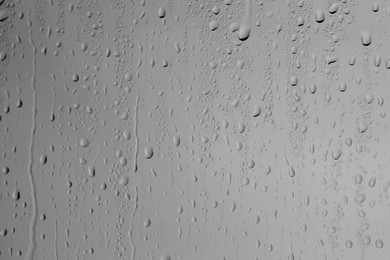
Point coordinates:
pixel 194 129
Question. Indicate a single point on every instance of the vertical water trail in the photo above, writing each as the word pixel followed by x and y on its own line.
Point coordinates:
pixel 33 222
pixel 135 202
pixel 291 170
pixel 245 26
pixel 135 133
pixel 7 95
pixel 131 242
pixel 55 239
pixel 91 168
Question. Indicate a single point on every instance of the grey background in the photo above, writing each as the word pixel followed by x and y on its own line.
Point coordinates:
pixel 196 129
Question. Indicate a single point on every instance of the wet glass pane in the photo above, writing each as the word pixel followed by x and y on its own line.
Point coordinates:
pixel 194 129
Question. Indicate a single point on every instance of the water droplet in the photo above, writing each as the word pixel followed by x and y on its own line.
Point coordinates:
pixel 213 25
pixel 16 194
pixel 3 55
pixel 348 244
pixel 375 7
pixel 43 159
pixel 333 8
pixel 148 152
pixel 83 142
pixel 320 15
pixel 124 180
pixel 360 198
pixel 161 12
pixel 365 37
pixel 336 153
pixel 379 243
pixel 147 222
pixel 291 171
pixel 91 171
pixel 366 239
pixel 176 140
pixel 256 111
pixel 3 15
